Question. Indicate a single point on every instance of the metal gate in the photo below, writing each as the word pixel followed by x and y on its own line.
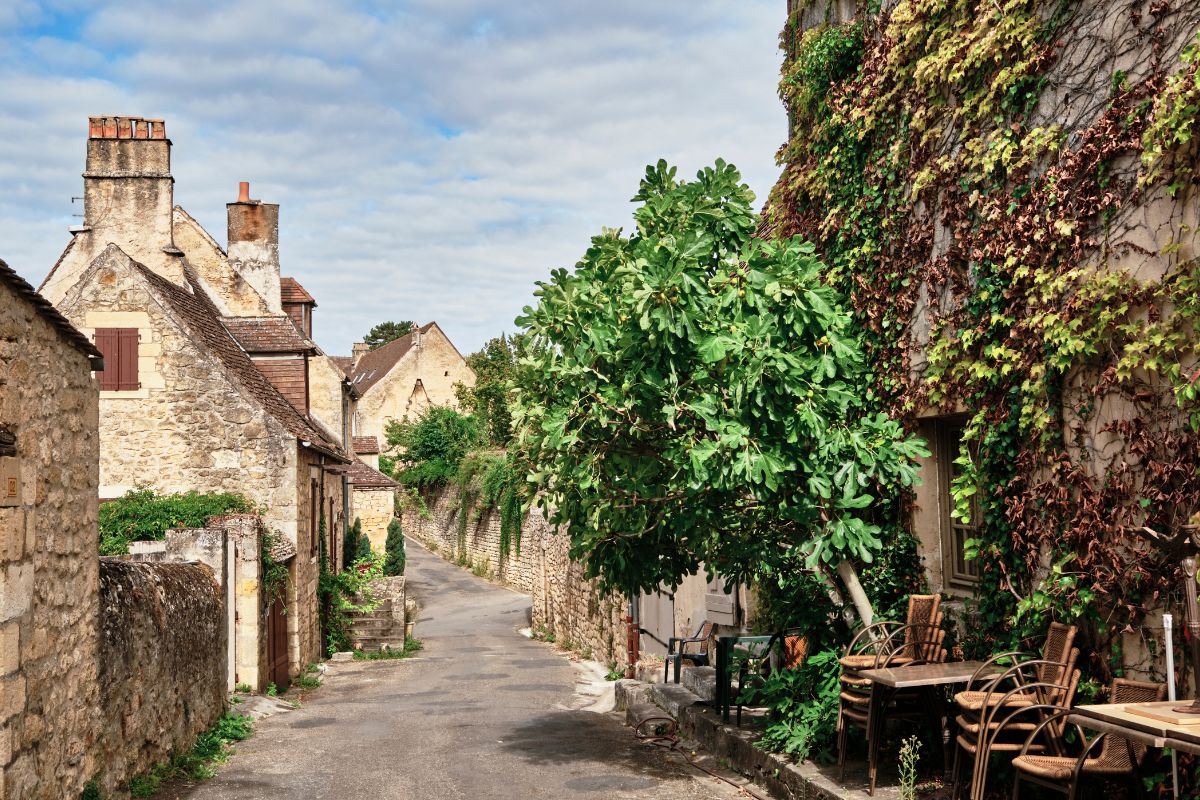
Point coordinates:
pixel 277 645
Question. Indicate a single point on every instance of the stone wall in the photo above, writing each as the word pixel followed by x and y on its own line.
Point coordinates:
pixel 231 546
pixel 564 603
pixel 162 663
pixel 49 696
pixel 375 508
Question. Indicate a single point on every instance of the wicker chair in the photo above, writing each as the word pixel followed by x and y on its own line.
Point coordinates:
pixel 1119 759
pixel 883 645
pixel 998 712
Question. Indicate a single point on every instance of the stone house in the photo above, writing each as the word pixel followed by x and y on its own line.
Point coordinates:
pixel 374 502
pixel 49 604
pixel 404 377
pixel 208 385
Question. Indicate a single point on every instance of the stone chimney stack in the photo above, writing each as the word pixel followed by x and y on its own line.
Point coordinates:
pixel 254 244
pixel 358 350
pixel 128 192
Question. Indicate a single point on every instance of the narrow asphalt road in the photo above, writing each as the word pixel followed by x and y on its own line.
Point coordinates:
pixel 482 712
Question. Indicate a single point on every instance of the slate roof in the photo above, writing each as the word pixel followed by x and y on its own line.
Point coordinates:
pixel 290 291
pixel 366 445
pixel 197 311
pixel 268 335
pixel 376 363
pixel 363 476
pixel 46 311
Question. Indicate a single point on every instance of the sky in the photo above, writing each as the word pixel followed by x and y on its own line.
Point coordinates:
pixel 432 158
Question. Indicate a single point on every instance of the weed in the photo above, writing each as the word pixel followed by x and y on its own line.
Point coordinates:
pixel 244 688
pixel 411 646
pixel 272 690
pixel 306 682
pixel 211 748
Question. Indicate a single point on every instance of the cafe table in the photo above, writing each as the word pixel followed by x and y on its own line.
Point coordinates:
pixel 1146 723
pixel 929 679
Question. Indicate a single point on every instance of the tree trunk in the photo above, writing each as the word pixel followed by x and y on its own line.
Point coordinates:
pixel 849 578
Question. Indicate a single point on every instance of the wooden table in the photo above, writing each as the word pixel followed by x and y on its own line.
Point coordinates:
pixel 926 678
pixel 1117 720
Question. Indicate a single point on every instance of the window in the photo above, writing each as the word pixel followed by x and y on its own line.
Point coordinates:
pixel 119 346
pixel 959 572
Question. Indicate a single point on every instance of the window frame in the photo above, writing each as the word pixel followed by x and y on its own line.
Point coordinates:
pixel 948 436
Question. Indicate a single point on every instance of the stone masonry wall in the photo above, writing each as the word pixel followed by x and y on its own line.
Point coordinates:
pixel 49 696
pixel 375 508
pixel 162 663
pixel 436 363
pixel 185 400
pixel 565 604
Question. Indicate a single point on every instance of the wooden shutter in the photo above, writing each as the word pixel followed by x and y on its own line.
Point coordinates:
pixel 127 359
pixel 119 346
pixel 106 343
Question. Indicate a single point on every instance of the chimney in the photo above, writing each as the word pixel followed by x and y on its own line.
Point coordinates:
pixel 359 350
pixel 128 192
pixel 254 244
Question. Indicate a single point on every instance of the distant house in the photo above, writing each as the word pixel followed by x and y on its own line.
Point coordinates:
pixel 210 384
pixel 404 377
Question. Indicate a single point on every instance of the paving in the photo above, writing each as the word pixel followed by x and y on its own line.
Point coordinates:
pixel 481 712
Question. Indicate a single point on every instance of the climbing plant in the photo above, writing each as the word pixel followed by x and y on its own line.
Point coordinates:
pixel 975 180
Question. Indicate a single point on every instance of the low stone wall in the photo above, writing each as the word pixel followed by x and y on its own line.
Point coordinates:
pixel 565 604
pixel 161 666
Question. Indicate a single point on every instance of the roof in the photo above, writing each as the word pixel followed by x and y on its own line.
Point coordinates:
pixel 50 314
pixel 290 291
pixel 365 477
pixel 267 335
pixel 344 363
pixel 366 445
pixel 378 362
pixel 196 310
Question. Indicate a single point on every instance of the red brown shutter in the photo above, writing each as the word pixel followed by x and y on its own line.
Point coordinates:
pixel 127 359
pixel 119 346
pixel 106 343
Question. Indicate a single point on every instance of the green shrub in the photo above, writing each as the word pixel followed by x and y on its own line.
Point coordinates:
pixel 804 706
pixel 142 515
pixel 352 540
pixel 396 558
pixel 432 446
pixel 411 646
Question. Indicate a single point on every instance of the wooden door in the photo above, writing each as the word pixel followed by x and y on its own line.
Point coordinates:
pixel 277 645
pixel 656 616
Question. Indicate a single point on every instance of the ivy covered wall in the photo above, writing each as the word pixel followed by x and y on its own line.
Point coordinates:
pixel 1006 193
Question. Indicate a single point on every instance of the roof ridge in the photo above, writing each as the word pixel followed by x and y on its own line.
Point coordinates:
pixel 51 314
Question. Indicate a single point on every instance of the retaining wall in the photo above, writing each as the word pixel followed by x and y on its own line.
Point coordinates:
pixel 565 604
pixel 161 666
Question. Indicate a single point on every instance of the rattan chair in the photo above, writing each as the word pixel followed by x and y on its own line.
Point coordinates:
pixel 999 710
pixel 885 645
pixel 1117 759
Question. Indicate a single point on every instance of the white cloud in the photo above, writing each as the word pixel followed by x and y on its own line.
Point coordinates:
pixel 432 159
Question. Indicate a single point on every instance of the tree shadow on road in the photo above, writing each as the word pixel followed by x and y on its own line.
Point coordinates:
pixel 582 737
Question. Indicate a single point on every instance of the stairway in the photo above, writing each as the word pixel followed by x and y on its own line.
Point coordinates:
pixel 383 626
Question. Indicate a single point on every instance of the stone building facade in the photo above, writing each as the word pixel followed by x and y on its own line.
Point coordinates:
pixel 404 377
pixel 49 571
pixel 212 381
pixel 106 668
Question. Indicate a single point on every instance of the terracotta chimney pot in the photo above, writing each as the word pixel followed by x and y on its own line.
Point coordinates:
pixel 244 192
